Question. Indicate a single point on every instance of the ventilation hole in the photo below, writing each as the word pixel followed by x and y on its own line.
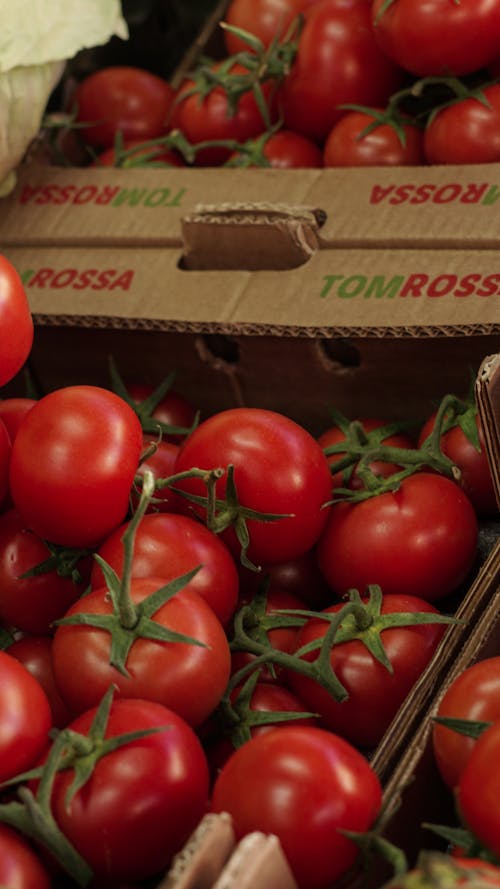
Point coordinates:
pixel 222 347
pixel 341 352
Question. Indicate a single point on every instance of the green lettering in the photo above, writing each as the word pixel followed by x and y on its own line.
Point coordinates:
pixel 380 287
pixel 130 196
pixel 492 195
pixel 352 286
pixel 329 282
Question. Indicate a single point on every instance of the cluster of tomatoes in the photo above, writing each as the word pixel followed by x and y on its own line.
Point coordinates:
pixel 215 614
pixel 312 83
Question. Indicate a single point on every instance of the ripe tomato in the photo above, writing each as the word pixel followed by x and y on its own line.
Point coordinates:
pixel 474 695
pixel 338 62
pixel 438 37
pixel 432 868
pixel 334 435
pixel 265 19
pixel 142 800
pixel 208 117
pixel 169 545
pixel 161 463
pixel 16 323
pixel 375 694
pixel 348 146
pixel 173 409
pixel 467 132
pixel 419 540
pixel 5 451
pixel 35 652
pixel 189 679
pixel 476 479
pixel 25 718
pixel 32 604
pixel 13 411
pixel 305 785
pixel 73 463
pixel 301 577
pixel 20 866
pixel 478 791
pixel 279 468
pixel 284 150
pixel 124 99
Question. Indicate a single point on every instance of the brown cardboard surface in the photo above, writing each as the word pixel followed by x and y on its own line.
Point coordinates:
pixel 488 398
pixel 426 207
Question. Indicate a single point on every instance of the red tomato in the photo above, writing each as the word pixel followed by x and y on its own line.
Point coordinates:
pixel 142 800
pixel 434 867
pixel 169 545
pixel 201 118
pixel 25 718
pixel 20 866
pixel 73 463
pixel 304 785
pixel 286 150
pixel 189 679
pixel 279 468
pixel 161 463
pixel 375 694
pixel 478 791
pixel 173 409
pixel 264 19
pixel 334 435
pixel 301 577
pixel 438 37
pixel 135 153
pixel 5 451
pixel 32 604
pixel 420 540
pixel 35 652
pixel 348 146
pixel 467 132
pixel 122 99
pixel 338 62
pixel 16 323
pixel 476 479
pixel 474 694
pixel 12 412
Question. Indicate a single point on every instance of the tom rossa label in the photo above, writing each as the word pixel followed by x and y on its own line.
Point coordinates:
pixel 100 195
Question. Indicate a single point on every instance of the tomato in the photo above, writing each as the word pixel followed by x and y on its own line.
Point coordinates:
pixel 142 800
pixel 304 785
pixel 122 99
pixel 335 434
pixel 16 323
pixel 476 478
pixel 20 866
pixel 5 451
pixel 208 117
pixel 375 694
pixel 474 694
pixel 338 62
pixel 279 468
pixel 263 18
pixel 32 604
pixel 73 463
pixel 284 150
pixel 438 37
pixel 13 411
pixel 135 153
pixel 187 678
pixel 301 577
pixel 35 652
pixel 419 540
pixel 161 462
pixel 433 868
pixel 173 409
pixel 466 132
pixel 347 145
pixel 478 791
pixel 169 545
pixel 25 717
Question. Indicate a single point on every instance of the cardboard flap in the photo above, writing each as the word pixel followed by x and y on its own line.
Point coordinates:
pixel 488 400
pixel 249 236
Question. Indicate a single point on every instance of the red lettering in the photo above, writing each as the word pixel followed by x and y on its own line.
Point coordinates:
pixel 104 279
pixel 27 193
pixel 107 194
pixel 41 278
pixel 414 285
pixel 467 285
pixel 423 193
pixel 63 278
pixel 401 194
pixel 85 194
pixel 65 194
pixel 84 279
pixel 379 193
pixel 441 285
pixel 473 193
pixel 447 193
pixel 489 286
pixel 123 281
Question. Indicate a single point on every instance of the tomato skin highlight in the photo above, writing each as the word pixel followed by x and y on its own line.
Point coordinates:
pixel 279 468
pixel 467 132
pixel 420 540
pixel 73 463
pixel 302 784
pixel 347 146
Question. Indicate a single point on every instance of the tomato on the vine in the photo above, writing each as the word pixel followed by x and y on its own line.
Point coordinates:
pixel 35 652
pixel 16 322
pixel 466 131
pixel 335 435
pixel 438 37
pixel 420 539
pixel 305 785
pixel 73 463
pixel 348 145
pixel 25 717
pixel 279 469
pixel 122 99
pixel 265 19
